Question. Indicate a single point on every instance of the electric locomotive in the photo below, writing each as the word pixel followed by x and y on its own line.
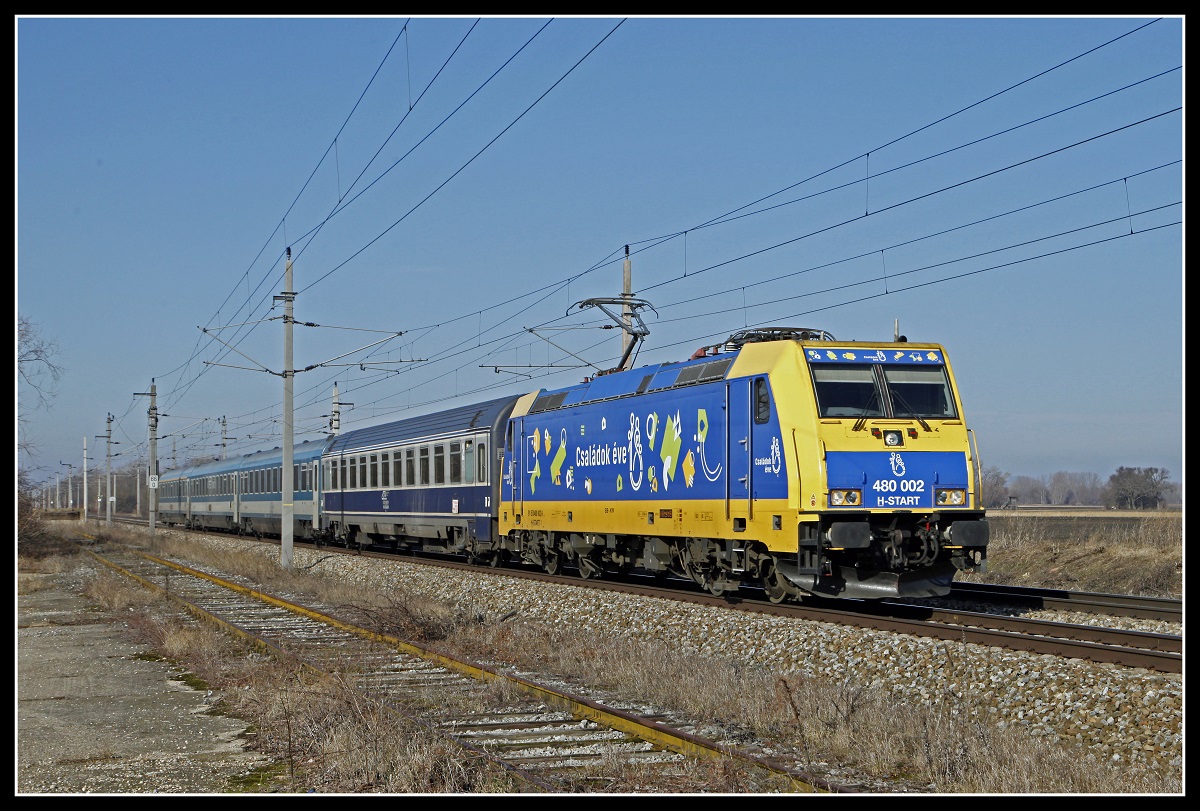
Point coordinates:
pixel 781 458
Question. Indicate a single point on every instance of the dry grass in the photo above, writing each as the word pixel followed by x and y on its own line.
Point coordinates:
pixel 332 739
pixel 1116 555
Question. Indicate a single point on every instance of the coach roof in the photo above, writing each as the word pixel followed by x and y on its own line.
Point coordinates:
pixel 480 416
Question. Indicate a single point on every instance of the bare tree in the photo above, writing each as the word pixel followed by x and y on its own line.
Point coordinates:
pixel 995 487
pixel 38 367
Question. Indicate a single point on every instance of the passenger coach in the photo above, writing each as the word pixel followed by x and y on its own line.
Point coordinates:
pixel 429 483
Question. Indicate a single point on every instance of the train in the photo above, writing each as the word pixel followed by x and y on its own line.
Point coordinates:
pixel 781 460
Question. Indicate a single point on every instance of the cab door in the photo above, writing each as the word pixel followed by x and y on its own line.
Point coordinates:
pixel 738 415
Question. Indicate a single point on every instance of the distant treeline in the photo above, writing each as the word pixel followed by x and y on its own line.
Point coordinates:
pixel 1130 488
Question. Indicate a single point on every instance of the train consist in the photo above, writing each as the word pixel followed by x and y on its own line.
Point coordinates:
pixel 780 459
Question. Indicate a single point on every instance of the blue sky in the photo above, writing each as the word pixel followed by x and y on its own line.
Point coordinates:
pixel 452 187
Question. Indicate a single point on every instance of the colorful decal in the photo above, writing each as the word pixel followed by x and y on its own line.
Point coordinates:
pixel 891 356
pixel 559 457
pixel 672 440
pixel 712 474
pixel 609 456
pixel 635 451
pixel 689 470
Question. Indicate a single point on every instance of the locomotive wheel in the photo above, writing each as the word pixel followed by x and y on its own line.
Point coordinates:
pixel 589 569
pixel 552 562
pixel 496 559
pixel 772 583
pixel 717 586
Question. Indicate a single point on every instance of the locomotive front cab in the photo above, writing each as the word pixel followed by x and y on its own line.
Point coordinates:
pixel 900 509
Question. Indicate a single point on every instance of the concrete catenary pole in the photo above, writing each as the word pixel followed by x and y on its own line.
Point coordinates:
pixel 152 469
pixel 288 509
pixel 108 493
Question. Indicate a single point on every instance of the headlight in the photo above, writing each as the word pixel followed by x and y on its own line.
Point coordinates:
pixel 893 439
pixel 845 498
pixel 950 498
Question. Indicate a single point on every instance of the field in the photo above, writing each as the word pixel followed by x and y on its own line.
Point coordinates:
pixel 1112 551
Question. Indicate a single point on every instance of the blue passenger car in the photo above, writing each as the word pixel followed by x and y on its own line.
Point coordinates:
pixel 244 495
pixel 429 483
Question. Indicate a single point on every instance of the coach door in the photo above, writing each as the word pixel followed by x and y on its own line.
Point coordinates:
pixel 513 488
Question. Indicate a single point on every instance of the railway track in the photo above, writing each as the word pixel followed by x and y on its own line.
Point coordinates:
pixel 1121 605
pixel 552 741
pixel 1131 648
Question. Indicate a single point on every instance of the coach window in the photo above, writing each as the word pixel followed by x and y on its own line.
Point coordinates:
pixel 482 461
pixel 374 468
pixel 468 464
pixel 410 467
pixel 439 464
pixel 423 464
pixel 362 471
pixel 397 468
pixel 762 401
pixel 352 474
pixel 456 466
pixel 385 469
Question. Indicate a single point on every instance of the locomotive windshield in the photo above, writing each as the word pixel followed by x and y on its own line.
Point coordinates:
pixel 862 390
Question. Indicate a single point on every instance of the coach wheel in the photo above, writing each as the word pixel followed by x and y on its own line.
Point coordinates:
pixel 496 559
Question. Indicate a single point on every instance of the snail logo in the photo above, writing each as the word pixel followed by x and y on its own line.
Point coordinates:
pixel 897 465
pixel 776 455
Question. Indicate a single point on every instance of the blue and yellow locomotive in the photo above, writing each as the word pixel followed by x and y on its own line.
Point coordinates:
pixel 782 459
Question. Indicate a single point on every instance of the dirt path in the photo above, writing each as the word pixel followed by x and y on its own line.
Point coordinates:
pixel 96 716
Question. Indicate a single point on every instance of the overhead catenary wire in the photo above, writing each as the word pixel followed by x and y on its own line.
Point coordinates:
pixel 551 288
